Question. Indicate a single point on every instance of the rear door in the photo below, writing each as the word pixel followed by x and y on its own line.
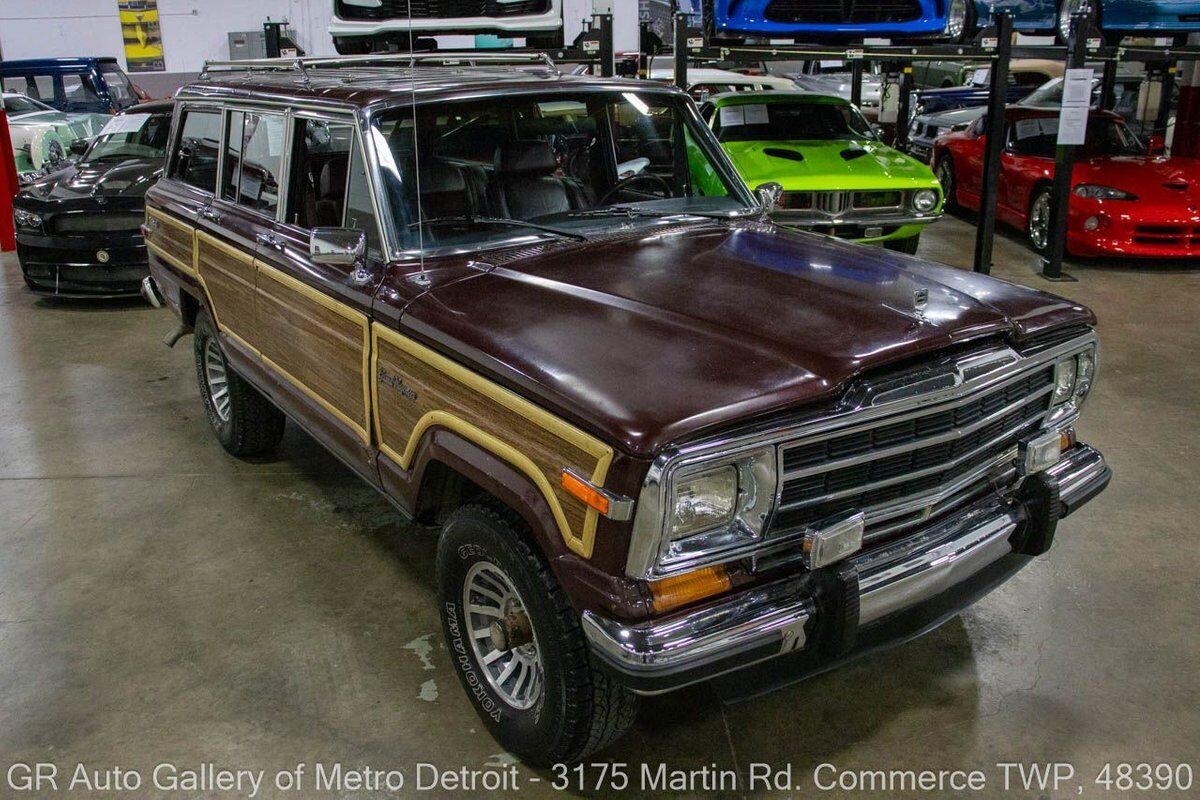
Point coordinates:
pixel 314 318
pixel 243 210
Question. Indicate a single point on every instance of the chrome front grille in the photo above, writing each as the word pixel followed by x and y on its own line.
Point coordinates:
pixel 910 468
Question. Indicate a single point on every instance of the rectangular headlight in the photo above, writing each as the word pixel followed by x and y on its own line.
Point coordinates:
pixel 1064 380
pixel 703 500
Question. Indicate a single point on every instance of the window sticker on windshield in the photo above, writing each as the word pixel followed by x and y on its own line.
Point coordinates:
pixel 757 114
pixel 732 116
pixel 125 123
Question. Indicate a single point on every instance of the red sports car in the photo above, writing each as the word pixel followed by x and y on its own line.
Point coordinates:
pixel 1124 201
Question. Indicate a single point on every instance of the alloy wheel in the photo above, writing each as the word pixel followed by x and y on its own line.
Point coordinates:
pixel 216 377
pixel 1068 8
pixel 956 19
pixel 1039 221
pixel 504 644
pixel 945 176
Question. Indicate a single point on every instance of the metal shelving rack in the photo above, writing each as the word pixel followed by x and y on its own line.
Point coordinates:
pixel 993 47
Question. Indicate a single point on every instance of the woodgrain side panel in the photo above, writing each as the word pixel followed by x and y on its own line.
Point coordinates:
pixel 228 277
pixel 418 389
pixel 318 343
pixel 170 239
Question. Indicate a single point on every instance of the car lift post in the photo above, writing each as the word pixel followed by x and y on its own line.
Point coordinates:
pixel 1108 85
pixel 1064 167
pixel 1164 101
pixel 680 53
pixel 902 120
pixel 608 53
pixel 856 80
pixel 993 144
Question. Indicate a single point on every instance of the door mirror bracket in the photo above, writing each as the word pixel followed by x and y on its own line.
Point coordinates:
pixel 768 195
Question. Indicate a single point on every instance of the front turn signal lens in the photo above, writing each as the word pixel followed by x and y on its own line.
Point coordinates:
pixel 679 590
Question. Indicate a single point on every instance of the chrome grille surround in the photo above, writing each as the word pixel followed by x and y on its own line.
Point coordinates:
pixel 946 384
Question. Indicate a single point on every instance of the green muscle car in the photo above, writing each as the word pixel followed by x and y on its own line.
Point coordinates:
pixel 837 176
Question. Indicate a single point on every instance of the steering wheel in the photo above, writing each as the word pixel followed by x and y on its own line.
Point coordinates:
pixel 624 183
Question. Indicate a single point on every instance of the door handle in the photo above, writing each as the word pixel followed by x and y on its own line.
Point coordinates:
pixel 210 215
pixel 269 240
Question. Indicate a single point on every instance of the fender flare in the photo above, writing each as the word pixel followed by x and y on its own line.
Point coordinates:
pixel 491 472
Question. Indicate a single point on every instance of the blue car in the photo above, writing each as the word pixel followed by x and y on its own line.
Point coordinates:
pixel 92 85
pixel 816 19
pixel 1116 18
pixel 953 19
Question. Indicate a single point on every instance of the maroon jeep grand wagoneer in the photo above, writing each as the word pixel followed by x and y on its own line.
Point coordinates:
pixel 664 440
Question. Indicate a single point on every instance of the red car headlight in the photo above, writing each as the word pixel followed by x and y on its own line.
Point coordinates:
pixel 1097 192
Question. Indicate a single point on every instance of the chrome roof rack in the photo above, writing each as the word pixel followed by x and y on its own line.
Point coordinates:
pixel 303 66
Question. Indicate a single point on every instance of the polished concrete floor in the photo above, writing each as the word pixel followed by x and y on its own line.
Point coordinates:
pixel 162 602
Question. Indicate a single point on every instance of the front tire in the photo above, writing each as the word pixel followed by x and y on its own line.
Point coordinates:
pixel 1038 225
pixel 245 422
pixel 517 645
pixel 946 177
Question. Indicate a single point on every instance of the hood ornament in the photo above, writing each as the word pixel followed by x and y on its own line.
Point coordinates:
pixel 920 301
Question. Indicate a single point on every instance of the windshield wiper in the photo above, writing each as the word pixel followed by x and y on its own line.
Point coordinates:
pixel 516 223
pixel 633 213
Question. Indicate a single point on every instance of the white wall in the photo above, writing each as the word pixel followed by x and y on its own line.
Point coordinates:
pixel 195 30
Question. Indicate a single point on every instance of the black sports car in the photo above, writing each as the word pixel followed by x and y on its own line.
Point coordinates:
pixel 79 229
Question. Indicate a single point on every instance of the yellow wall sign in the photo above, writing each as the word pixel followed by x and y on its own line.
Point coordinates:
pixel 143 38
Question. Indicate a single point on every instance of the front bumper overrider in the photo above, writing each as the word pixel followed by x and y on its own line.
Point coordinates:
pixel 835 613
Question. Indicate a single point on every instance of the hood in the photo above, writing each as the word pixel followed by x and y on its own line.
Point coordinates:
pixel 1155 179
pixel 948 119
pixel 824 165
pixel 98 179
pixel 81 125
pixel 651 338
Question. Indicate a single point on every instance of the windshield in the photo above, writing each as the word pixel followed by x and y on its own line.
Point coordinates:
pixel 1038 136
pixel 773 122
pixel 484 172
pixel 132 136
pixel 16 106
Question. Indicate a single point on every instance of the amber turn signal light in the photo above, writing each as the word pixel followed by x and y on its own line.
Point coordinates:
pixel 583 490
pixel 679 590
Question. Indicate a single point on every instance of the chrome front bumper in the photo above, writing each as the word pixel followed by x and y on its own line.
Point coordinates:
pixel 780 617
pixel 807 219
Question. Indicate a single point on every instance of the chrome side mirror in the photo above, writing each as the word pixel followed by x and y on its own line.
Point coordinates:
pixel 337 246
pixel 768 195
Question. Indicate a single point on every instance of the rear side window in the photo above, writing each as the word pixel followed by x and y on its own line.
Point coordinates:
pixel 254 181
pixel 39 87
pixel 199 144
pixel 79 93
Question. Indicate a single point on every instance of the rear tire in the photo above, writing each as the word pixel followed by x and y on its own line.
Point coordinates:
pixel 246 423
pixel 908 245
pixel 485 560
pixel 1065 9
pixel 961 22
